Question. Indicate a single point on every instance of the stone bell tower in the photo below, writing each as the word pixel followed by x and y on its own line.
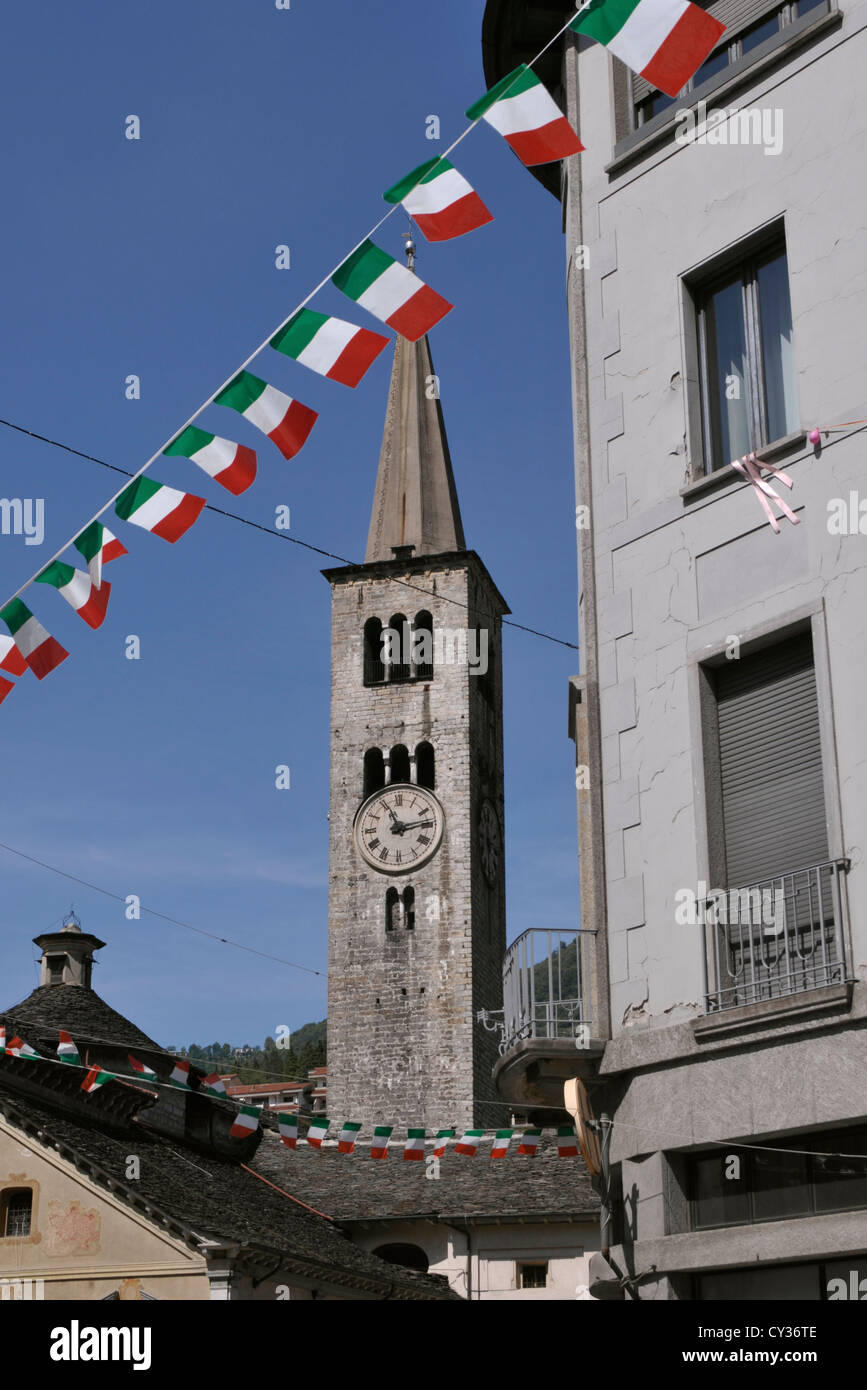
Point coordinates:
pixel 417 912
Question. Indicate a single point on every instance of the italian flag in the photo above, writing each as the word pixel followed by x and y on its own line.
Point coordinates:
pixel 246 1122
pixel 521 108
pixel 67 1051
pixel 329 346
pixel 440 200
pixel 347 1137
pixel 162 510
pixel 665 41
pixel 317 1132
pixel 469 1142
pixel 530 1141
pixel 233 466
pixel 141 1070
pixel 414 1146
pixel 3 1039
pixel 11 659
pixel 285 421
pixel 567 1141
pixel 6 688
pixel 18 1048
pixel 180 1076
pixel 441 1141
pixel 97 545
pixel 379 1143
pixel 288 1127
pixel 96 1078
pixel 79 591
pixel 500 1146
pixel 390 292
pixel 214 1085
pixel 38 648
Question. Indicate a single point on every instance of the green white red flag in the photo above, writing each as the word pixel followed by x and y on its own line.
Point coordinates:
pixel 567 1141
pixel 530 1142
pixel 246 1122
pixel 214 1085
pixel 502 1140
pixel 97 545
pixel 67 1050
pixel 440 201
pixel 286 422
pixel 180 1076
pixel 18 1048
pixel 347 1137
pixel 79 590
pixel 665 41
pixel 6 688
pixel 159 509
pixel 332 347
pixel 3 1039
pixel 96 1078
pixel 317 1131
pixel 288 1127
pixel 441 1141
pixel 231 465
pixel 521 108
pixel 146 1073
pixel 379 1142
pixel 469 1142
pixel 391 292
pixel 11 659
pixel 414 1146
pixel 39 649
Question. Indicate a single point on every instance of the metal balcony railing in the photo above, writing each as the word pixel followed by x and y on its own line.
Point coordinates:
pixel 542 987
pixel 775 938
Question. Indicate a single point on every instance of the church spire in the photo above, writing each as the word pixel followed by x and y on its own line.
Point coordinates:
pixel 415 502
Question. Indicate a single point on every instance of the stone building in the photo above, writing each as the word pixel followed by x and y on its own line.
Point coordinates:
pixel 138 1191
pixel 715 280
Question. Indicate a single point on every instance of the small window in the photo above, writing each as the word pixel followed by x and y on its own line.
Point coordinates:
pixel 374 666
pixel 758 33
pixel 399 763
pixel 392 910
pixel 533 1276
pixel 398 649
pixel 55 969
pixel 409 908
pixel 746 357
pixel 422 647
pixel 425 766
pixel 374 771
pixel 16 1208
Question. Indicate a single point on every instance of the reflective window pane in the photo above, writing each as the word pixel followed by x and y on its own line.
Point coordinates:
pixel 779 1185
pixel 775 316
pixel 719 1200
pixel 711 66
pixel 757 33
pixel 727 374
pixel 840 1183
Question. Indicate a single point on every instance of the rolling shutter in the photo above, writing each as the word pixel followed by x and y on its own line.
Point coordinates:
pixel 771 763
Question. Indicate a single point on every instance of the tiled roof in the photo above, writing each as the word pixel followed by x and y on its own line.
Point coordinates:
pixel 210 1197
pixel 356 1187
pixel 77 1009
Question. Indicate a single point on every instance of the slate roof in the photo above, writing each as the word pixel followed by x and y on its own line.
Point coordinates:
pixel 211 1197
pixel 79 1010
pixel 356 1187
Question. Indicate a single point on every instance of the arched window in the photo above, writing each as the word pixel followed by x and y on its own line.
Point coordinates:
pixel 400 636
pixel 422 647
pixel 16 1210
pixel 392 910
pixel 425 771
pixel 374 666
pixel 399 764
pixel 409 908
pixel 374 771
pixel 407 1256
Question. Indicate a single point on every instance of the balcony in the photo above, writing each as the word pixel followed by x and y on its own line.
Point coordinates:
pixel 544 1034
pixel 775 939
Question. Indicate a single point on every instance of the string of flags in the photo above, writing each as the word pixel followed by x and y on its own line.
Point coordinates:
pixel 663 40
pixel 248 1117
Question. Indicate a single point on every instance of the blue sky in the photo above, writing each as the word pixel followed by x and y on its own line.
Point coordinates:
pixel 156 257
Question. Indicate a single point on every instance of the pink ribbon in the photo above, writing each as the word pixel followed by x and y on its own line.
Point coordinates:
pixel 750 469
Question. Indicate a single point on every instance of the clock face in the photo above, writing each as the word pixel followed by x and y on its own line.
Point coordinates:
pixel 399 828
pixel 489 842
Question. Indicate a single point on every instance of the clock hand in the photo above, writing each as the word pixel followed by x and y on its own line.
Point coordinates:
pixel 415 824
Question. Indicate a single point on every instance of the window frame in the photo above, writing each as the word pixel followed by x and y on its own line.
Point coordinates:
pixel 7 1192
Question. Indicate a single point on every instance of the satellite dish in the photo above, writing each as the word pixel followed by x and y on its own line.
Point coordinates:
pixel 579 1107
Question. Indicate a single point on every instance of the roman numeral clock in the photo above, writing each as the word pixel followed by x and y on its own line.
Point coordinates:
pixel 399 828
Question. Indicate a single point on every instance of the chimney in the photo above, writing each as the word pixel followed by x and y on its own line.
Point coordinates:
pixel 67 955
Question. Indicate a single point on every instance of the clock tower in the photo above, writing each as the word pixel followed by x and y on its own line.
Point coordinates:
pixel 417 913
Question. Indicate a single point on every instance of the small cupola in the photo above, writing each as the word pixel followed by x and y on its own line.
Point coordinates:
pixel 67 955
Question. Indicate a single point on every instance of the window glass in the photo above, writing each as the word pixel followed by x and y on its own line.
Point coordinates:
pixel 718 1200
pixel 779 1185
pixel 711 66
pixel 757 33
pixel 727 373
pixel 840 1183
pixel 804 6
pixel 775 317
